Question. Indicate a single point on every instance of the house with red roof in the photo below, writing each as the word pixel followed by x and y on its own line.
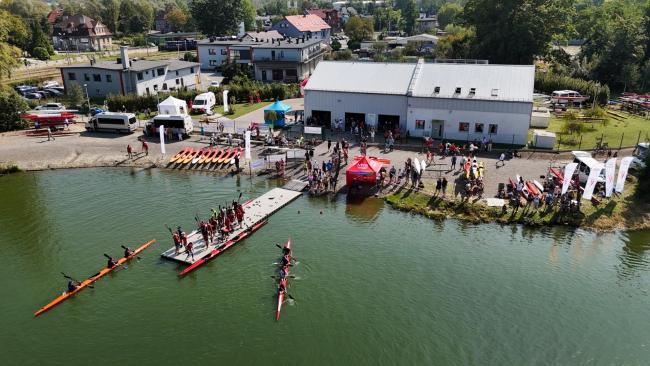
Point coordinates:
pixel 81 33
pixel 53 15
pixel 308 26
pixel 330 16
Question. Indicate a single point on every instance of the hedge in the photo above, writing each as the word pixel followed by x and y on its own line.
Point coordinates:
pixel 239 91
pixel 546 82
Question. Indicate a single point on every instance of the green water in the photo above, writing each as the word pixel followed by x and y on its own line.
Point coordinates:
pixel 375 286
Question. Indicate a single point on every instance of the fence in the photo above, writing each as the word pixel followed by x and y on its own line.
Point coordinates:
pixel 601 142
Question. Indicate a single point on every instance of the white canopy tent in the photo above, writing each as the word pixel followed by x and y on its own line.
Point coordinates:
pixel 172 106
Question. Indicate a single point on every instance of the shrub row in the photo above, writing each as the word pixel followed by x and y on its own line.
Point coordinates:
pixel 546 82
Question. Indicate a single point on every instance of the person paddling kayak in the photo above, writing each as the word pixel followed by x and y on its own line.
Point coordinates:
pixel 286 260
pixel 72 285
pixel 127 252
pixel 283 273
pixel 111 262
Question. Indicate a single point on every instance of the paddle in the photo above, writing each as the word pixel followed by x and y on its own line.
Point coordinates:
pixel 72 279
pixel 170 230
pixel 125 248
pixel 289 276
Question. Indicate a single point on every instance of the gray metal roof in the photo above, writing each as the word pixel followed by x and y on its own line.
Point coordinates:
pixel 137 65
pixel 361 77
pixel 490 82
pixel 177 65
pixel 295 43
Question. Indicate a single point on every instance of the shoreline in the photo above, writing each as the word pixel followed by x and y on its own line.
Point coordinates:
pixel 618 214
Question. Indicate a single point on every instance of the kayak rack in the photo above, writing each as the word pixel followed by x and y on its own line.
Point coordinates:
pixel 255 211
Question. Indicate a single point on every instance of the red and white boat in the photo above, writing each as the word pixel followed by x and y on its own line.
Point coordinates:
pixel 567 97
pixel 283 283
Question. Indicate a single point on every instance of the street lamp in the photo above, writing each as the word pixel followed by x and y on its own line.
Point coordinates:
pixel 87 97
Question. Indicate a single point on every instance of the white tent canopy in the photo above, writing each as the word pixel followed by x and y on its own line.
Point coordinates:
pixel 172 106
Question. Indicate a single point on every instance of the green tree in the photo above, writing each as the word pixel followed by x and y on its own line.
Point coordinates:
pixel 176 18
pixel 40 41
pixel 515 31
pixel 456 45
pixel 11 107
pixel 359 29
pixel 111 14
pixel 248 14
pixel 449 13
pixel 217 17
pixel 336 45
pixel 136 16
pixel 9 53
pixel 409 11
pixel 387 19
pixel 75 95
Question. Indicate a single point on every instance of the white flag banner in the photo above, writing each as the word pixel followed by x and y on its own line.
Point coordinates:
pixel 161 131
pixel 591 181
pixel 569 169
pixel 610 169
pixel 225 101
pixel 622 173
pixel 247 141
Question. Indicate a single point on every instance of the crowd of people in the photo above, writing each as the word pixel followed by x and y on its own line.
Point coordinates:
pixel 549 197
pixel 322 177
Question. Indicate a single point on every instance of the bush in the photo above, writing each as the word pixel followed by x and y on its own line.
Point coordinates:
pixel 188 56
pixel 336 45
pixel 11 107
pixel 549 82
pixel 41 53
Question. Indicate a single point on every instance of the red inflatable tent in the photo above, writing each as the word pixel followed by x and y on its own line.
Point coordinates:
pixel 363 171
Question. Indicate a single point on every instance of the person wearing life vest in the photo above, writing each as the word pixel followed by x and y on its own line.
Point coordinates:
pixel 189 248
pixel 286 260
pixel 177 242
pixel 111 262
pixel 72 285
pixel 204 232
pixel 283 273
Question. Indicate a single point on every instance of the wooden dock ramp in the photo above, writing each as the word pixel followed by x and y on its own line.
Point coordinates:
pixel 255 211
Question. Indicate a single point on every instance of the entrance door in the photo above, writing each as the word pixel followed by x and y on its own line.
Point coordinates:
pixel 387 122
pixel 353 117
pixel 321 118
pixel 437 127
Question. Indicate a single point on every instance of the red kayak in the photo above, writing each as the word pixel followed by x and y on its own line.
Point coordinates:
pixel 223 247
pixel 283 283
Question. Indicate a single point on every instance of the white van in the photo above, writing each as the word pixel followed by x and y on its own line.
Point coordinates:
pixel 585 164
pixel 203 103
pixel 639 156
pixel 112 121
pixel 178 123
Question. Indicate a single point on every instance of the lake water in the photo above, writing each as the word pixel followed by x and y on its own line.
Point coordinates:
pixel 375 286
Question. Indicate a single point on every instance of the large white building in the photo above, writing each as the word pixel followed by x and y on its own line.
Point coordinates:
pixel 441 100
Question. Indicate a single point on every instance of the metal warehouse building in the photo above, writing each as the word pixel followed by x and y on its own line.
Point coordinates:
pixel 442 100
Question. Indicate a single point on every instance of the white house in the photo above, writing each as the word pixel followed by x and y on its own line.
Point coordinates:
pixel 442 100
pixel 125 76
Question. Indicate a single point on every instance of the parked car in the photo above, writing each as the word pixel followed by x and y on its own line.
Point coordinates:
pixel 32 96
pixel 215 83
pixel 24 89
pixel 50 83
pixel 51 107
pixel 96 110
pixel 639 156
pixel 53 92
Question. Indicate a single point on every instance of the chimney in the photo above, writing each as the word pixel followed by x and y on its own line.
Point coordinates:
pixel 124 56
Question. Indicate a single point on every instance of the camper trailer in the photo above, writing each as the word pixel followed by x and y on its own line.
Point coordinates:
pixel 180 124
pixel 203 103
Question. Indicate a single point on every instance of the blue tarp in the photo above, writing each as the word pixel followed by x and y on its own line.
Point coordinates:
pixel 274 114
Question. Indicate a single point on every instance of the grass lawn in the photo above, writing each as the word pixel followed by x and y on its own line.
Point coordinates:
pixel 242 109
pixel 612 131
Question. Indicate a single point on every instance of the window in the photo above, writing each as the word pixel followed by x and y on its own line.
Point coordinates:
pixel 436 90
pixel 165 86
pixel 223 52
pixel 140 77
pixel 495 92
pixel 161 71
pixel 212 51
pixel 86 77
pixel 463 126
pixel 478 127
pixel 458 90
pixel 419 124
pixel 72 76
pixel 191 70
pixel 109 78
pixel 176 74
pixel 291 72
pixel 472 92
pixel 97 77
pixel 147 72
pixel 213 62
pixel 178 81
pixel 148 92
pixel 493 128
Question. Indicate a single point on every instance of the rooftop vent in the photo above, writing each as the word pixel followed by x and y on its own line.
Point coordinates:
pixel 458 90
pixel 472 92
pixel 436 90
pixel 495 92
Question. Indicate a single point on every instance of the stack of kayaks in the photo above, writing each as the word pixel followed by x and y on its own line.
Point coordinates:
pixel 205 158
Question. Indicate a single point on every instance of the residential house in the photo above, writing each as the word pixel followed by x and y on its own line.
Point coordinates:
pixel 426 23
pixel 263 36
pixel 53 15
pixel 282 59
pixel 125 76
pixel 330 16
pixel 81 33
pixel 161 24
pixel 308 26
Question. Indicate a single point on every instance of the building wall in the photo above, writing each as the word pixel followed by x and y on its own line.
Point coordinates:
pixel 265 54
pixel 97 89
pixel 212 56
pixel 289 30
pixel 511 118
pixel 189 79
pixel 339 103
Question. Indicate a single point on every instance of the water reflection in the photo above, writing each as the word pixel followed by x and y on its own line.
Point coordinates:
pixel 633 255
pixel 363 209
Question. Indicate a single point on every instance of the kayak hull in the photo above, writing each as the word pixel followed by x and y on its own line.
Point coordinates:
pixel 283 282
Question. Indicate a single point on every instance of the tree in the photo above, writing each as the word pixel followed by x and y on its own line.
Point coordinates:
pixel 359 29
pixel 449 13
pixel 217 17
pixel 336 45
pixel 515 31
pixel 409 11
pixel 11 107
pixel 136 16
pixel 41 42
pixel 176 18
pixel 248 15
pixel 457 45
pixel 111 14
pixel 74 95
pixel 9 53
pixel 387 19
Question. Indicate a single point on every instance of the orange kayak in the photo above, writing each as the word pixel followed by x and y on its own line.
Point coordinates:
pixel 190 156
pixel 207 156
pixel 226 156
pixel 92 279
pixel 179 155
pixel 218 155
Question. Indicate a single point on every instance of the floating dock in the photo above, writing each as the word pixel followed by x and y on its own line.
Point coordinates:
pixel 254 211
